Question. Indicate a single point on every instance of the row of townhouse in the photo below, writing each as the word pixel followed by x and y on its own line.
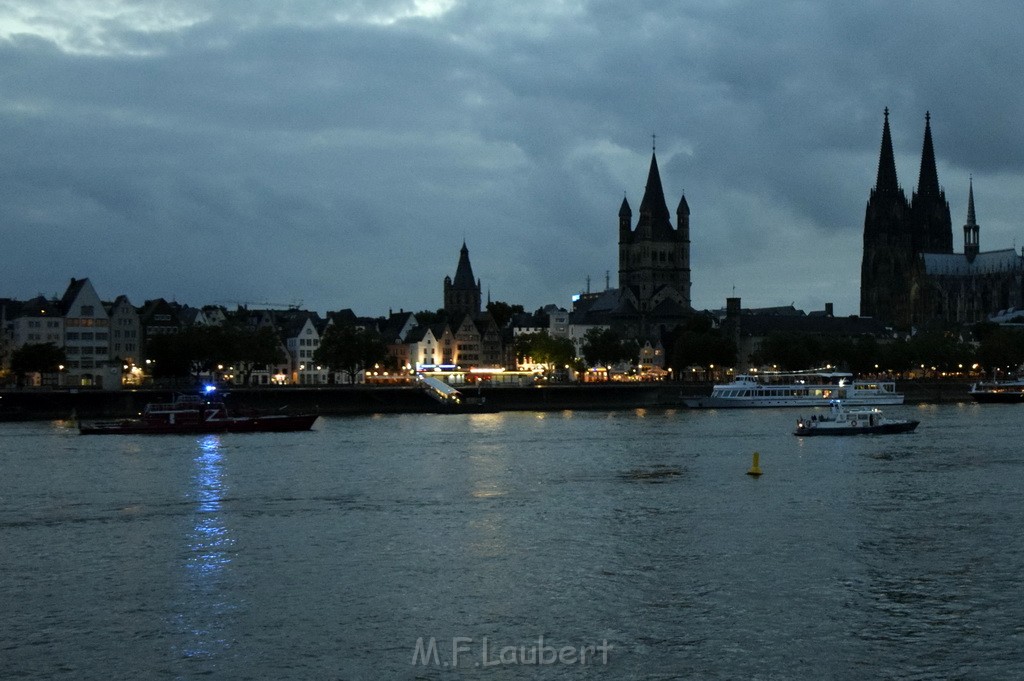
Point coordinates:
pixel 104 342
pixel 466 341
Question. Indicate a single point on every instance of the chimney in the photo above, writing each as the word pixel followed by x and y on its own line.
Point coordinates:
pixel 829 310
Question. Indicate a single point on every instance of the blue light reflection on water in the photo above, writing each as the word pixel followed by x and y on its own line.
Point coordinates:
pixel 206 602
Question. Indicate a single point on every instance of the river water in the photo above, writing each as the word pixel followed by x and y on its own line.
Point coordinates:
pixel 619 545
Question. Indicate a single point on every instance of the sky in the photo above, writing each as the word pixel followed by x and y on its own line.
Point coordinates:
pixel 336 154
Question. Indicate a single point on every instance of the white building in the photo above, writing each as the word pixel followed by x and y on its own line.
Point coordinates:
pixel 87 338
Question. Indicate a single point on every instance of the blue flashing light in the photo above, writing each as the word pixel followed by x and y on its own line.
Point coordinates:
pixel 209 389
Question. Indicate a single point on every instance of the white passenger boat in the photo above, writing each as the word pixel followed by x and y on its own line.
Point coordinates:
pixel 797 389
pixel 998 391
pixel 840 420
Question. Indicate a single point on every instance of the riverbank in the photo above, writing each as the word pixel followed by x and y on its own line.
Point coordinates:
pixel 34 404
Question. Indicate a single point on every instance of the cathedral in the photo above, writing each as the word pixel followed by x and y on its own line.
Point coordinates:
pixel 910 275
pixel 654 257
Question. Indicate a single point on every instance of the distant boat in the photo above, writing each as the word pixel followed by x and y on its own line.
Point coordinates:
pixel 797 389
pixel 998 391
pixel 841 420
pixel 196 415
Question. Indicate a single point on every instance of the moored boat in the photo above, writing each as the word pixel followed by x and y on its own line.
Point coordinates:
pixel 998 391
pixel 197 415
pixel 797 389
pixel 843 420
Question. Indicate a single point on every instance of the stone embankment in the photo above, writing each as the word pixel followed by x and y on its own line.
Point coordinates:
pixel 29 404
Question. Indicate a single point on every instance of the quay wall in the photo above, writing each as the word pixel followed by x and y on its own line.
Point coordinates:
pixel 28 404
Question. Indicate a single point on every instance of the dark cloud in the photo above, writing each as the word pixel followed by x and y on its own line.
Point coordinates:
pixel 338 153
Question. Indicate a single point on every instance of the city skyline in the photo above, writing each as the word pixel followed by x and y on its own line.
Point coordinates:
pixel 337 157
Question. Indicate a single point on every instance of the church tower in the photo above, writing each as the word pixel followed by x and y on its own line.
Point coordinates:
pixel 971 230
pixel 654 258
pixel 888 256
pixel 929 210
pixel 462 295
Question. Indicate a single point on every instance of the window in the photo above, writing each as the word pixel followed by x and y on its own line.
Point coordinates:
pixel 87 311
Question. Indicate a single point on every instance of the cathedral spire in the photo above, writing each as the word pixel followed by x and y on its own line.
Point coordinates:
pixel 972 240
pixel 886 180
pixel 971 218
pixel 928 180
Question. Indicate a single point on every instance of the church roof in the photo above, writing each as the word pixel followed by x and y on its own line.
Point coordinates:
pixel 464 279
pixel 763 325
pixel 683 208
pixel 957 264
pixel 74 288
pixel 654 216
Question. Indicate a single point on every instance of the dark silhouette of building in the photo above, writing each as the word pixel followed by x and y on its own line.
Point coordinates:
pixel 909 273
pixel 971 286
pixel 654 257
pixel 462 295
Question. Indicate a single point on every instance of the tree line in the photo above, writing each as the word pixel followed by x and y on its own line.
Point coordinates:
pixel 347 350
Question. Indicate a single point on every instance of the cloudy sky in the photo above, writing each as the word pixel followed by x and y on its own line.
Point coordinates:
pixel 335 153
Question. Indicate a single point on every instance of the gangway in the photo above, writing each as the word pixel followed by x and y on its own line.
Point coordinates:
pixel 441 391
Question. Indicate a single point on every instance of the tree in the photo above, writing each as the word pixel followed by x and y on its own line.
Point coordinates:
pixel 543 349
pixel 606 346
pixel 940 349
pixel 999 347
pixel 167 357
pixel 790 351
pixel 707 348
pixel 350 350
pixel 428 318
pixel 42 358
pixel 256 350
pixel 502 312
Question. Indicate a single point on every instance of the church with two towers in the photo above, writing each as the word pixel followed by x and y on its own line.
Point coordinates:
pixel 910 275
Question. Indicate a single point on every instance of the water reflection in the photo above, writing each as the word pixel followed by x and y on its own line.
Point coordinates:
pixel 209 554
pixel 209 540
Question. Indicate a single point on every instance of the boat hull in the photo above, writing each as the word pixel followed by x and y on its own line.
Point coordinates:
pixel 256 424
pixel 881 429
pixel 751 402
pixel 1009 397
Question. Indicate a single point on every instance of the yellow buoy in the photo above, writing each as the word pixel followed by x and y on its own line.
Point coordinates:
pixel 755 469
